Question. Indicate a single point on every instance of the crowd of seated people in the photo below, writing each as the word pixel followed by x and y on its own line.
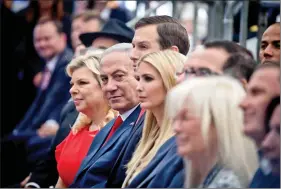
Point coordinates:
pixel 130 108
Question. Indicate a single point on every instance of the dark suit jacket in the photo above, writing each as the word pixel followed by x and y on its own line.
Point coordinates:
pixel 262 180
pixel 45 173
pixel 166 170
pixel 118 172
pixel 101 157
pixel 49 103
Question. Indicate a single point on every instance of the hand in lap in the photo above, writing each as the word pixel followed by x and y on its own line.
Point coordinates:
pixel 48 130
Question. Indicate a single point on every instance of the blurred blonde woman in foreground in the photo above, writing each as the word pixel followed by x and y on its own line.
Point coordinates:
pixel 94 114
pixel 208 124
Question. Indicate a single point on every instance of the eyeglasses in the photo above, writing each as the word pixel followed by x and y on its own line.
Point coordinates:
pixel 199 72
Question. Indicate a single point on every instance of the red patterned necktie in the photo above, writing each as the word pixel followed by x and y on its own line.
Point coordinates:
pixel 46 78
pixel 115 126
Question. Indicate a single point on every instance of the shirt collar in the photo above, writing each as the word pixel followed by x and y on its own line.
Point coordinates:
pixel 51 64
pixel 125 115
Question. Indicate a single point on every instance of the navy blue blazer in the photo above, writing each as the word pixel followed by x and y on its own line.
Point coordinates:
pixel 166 170
pixel 49 102
pixel 118 172
pixel 262 180
pixel 101 157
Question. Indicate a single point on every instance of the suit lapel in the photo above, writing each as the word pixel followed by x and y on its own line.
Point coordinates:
pixel 58 64
pixel 159 163
pixel 97 148
pixel 120 156
pixel 135 128
pixel 127 124
pixel 96 145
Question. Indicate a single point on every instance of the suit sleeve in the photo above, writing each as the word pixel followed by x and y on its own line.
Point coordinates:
pixel 45 173
pixel 58 97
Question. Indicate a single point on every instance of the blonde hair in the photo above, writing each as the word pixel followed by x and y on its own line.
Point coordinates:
pixel 216 101
pixel 90 60
pixel 167 63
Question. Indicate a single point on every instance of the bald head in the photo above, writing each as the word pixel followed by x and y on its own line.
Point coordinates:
pixel 270 44
pixel 211 58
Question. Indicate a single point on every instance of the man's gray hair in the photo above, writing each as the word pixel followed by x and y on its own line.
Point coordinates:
pixel 120 47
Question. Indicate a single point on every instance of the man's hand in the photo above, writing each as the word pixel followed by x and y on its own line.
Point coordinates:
pixel 23 183
pixel 37 79
pixel 49 128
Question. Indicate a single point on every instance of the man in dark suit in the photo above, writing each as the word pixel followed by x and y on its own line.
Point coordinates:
pixel 119 87
pixel 40 123
pixel 45 173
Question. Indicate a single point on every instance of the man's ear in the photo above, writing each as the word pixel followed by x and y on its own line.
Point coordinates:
pixel 174 48
pixel 244 82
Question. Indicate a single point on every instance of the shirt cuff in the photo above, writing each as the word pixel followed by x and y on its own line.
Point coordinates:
pixel 52 123
pixel 32 185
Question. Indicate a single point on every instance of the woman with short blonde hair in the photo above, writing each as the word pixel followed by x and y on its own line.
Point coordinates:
pixel 156 73
pixel 208 124
pixel 94 114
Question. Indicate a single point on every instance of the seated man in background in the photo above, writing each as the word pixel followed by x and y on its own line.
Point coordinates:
pixel 268 175
pixel 240 67
pixel 263 86
pixel 270 44
pixel 215 56
pixel 113 32
pixel 40 123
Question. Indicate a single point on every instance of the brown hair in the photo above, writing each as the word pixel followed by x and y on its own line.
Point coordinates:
pixel 33 14
pixel 56 23
pixel 229 46
pixel 170 32
pixel 89 15
pixel 239 65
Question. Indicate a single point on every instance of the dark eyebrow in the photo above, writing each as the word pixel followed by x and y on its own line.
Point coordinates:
pixel 257 89
pixel 147 74
pixel 102 47
pixel 143 42
pixel 275 42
